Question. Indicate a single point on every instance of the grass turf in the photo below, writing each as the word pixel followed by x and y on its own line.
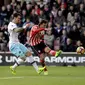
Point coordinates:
pixel 26 75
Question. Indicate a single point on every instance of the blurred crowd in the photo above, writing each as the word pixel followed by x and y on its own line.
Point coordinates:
pixel 66 21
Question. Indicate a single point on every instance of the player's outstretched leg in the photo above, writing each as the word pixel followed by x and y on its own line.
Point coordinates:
pixel 44 65
pixel 58 53
pixel 34 64
pixel 13 68
pixel 40 70
pixel 52 52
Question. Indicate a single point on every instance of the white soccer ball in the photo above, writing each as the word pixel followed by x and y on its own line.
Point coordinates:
pixel 80 50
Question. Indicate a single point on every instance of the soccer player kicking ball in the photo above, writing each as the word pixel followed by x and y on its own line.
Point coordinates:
pixel 16 47
pixel 37 42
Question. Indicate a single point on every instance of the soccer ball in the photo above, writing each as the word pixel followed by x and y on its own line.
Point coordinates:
pixel 80 50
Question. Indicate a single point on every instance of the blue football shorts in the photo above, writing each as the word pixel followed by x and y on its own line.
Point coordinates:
pixel 18 49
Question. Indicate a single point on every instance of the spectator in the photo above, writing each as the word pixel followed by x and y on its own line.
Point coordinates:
pixel 82 37
pixel 60 18
pixel 2 42
pixel 50 25
pixel 23 7
pixel 64 25
pixel 76 17
pixel 63 39
pixel 9 11
pixel 57 44
pixel 64 8
pixel 37 10
pixel 13 4
pixel 29 9
pixel 54 11
pixel 70 15
pixel 69 47
pixel 46 11
pixel 50 18
pixel 3 15
pixel 69 27
pixel 41 3
pixel 33 2
pixel 70 18
pixel 49 38
pixel 42 15
pixel 24 15
pixel 33 17
pixel 74 33
pixel 78 44
pixel 57 31
pixel 82 13
pixel 18 8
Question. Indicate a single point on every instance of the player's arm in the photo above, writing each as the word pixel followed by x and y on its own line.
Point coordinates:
pixel 38 31
pixel 19 29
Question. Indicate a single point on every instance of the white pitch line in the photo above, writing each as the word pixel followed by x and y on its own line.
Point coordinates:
pixel 20 77
pixel 3 78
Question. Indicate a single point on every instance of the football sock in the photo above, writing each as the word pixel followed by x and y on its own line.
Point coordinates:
pixel 31 60
pixel 18 62
pixel 52 52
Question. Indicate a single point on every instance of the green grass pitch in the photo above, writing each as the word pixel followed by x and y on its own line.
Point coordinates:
pixel 26 75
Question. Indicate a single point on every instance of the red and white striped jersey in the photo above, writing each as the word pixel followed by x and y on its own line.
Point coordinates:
pixel 35 35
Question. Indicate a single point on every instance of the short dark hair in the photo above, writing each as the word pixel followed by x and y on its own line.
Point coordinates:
pixel 16 15
pixel 43 21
